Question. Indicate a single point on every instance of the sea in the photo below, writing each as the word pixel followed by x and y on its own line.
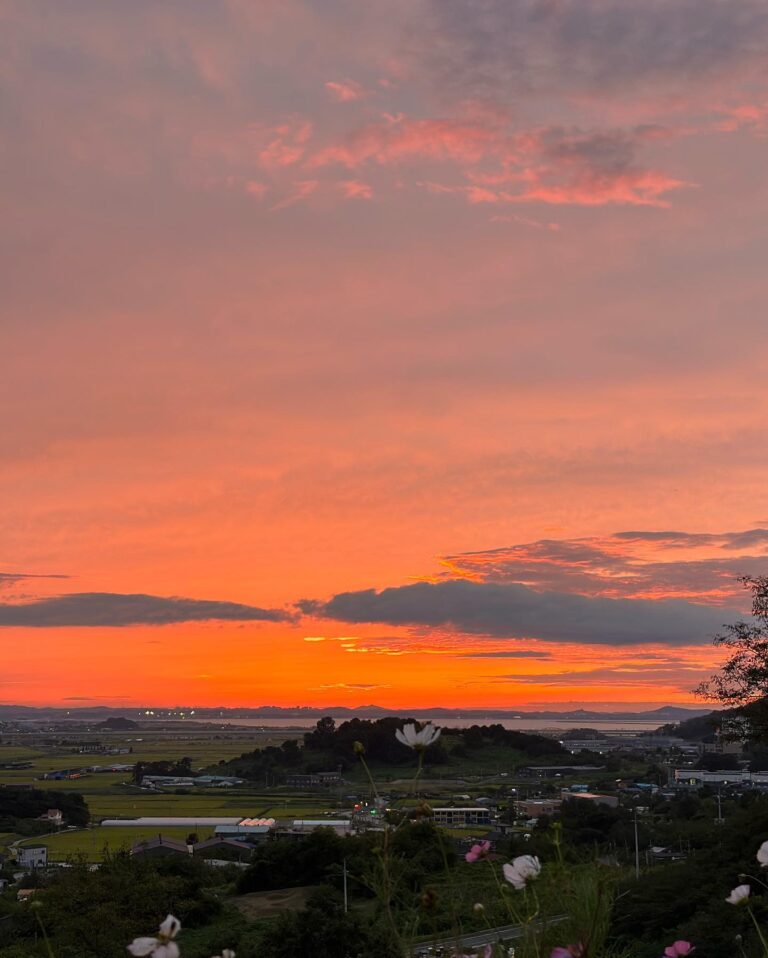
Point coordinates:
pixel 610 724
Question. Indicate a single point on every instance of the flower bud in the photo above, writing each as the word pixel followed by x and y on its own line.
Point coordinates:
pixel 358 748
pixel 428 899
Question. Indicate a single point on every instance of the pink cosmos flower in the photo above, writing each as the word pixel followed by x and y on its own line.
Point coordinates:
pixel 679 948
pixel 570 951
pixel 478 851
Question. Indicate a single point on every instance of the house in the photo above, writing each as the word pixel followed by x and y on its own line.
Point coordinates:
pixel 536 807
pixel 25 894
pixel 30 857
pixel 160 848
pixel 53 816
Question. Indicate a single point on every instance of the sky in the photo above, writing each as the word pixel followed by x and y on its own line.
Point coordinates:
pixel 408 353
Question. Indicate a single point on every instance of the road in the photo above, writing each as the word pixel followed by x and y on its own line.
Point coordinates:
pixel 479 938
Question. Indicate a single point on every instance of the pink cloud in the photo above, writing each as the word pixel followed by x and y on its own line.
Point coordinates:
pixel 288 146
pixel 546 164
pixel 635 188
pixel 255 188
pixel 355 190
pixel 399 139
pixel 345 91
pixel 302 189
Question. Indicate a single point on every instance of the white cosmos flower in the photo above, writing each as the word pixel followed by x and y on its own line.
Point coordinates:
pixel 418 740
pixel 739 894
pixel 522 870
pixel 161 947
pixel 762 854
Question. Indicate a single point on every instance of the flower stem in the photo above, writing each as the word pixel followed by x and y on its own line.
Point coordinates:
pixel 760 935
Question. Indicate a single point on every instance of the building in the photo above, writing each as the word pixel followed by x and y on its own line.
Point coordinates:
pixel 217 781
pixel 160 848
pixel 53 816
pixel 181 822
pixel 313 779
pixel 558 771
pixel 461 817
pixel 536 807
pixel 696 777
pixel 246 830
pixel 305 826
pixel 224 849
pixel 26 894
pixel 30 857
pixel 610 801
pixel 167 781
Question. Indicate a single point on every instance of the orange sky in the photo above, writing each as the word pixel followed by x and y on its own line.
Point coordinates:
pixel 305 299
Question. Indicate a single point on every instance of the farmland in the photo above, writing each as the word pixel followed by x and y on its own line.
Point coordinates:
pixel 112 794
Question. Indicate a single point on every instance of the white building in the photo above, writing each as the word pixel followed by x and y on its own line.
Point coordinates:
pixel 30 857
pixel 698 776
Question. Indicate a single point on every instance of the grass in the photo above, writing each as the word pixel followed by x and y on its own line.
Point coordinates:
pixel 109 796
pixel 91 842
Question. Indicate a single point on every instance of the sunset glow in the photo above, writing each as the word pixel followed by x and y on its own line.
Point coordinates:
pixel 407 353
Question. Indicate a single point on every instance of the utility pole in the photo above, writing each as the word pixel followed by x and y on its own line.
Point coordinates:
pixel 637 849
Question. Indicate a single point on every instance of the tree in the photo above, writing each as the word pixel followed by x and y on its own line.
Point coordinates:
pixel 744 677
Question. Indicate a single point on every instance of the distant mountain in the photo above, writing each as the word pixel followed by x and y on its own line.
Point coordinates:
pixel 85 714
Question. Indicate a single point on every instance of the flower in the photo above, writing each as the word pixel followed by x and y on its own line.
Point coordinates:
pixel 679 948
pixel 484 951
pixel 762 855
pixel 358 748
pixel 478 851
pixel 570 951
pixel 418 740
pixel 161 947
pixel 227 953
pixel 739 894
pixel 522 870
pixel 478 908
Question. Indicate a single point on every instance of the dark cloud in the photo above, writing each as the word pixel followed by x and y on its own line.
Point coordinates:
pixel 512 654
pixel 624 675
pixel 722 540
pixel 11 578
pixel 512 610
pixel 621 566
pixel 538 45
pixel 110 609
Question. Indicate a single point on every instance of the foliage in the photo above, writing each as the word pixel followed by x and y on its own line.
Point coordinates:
pixel 29 803
pixel 323 930
pixel 91 914
pixel 744 677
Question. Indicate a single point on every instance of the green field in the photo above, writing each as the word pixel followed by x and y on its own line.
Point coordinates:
pixel 112 794
pixel 91 842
